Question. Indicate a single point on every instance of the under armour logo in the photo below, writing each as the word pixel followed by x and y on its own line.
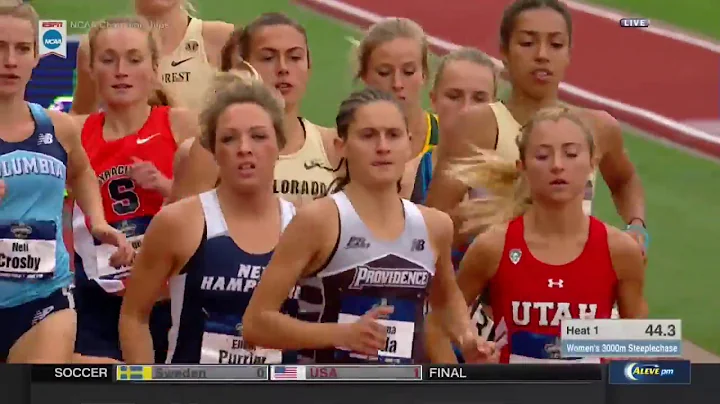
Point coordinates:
pixel 357 242
pixel 552 283
pixel 45 138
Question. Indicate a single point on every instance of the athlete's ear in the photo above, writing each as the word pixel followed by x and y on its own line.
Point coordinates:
pixel 519 165
pixel 339 145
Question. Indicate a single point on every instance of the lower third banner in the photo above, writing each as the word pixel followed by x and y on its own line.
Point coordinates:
pixel 647 372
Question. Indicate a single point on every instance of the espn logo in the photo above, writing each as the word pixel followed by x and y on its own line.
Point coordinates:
pixel 634 22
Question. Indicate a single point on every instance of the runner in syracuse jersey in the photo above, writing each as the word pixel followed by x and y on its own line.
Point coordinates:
pixel 543 258
pixel 223 240
pixel 131 147
pixel 40 151
pixel 378 257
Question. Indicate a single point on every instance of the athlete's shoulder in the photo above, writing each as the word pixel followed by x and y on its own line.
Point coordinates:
pixel 436 220
pixel 184 123
pixel 65 124
pixel 176 215
pixel 476 126
pixel 601 122
pixel 217 32
pixel 625 253
pixel 492 240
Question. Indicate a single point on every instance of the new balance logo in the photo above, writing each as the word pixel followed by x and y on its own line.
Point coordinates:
pixel 41 314
pixel 45 138
pixel 555 284
pixel 357 242
pixel 418 245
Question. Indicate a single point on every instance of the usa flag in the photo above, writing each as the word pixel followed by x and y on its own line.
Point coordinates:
pixel 288 373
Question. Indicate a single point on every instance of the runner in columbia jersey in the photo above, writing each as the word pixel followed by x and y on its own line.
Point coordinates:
pixel 529 298
pixel 210 294
pixel 364 272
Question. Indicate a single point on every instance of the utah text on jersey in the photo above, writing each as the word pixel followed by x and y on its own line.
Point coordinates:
pixel 550 313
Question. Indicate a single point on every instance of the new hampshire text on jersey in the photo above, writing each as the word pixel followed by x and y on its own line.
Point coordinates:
pixel 37 164
pixel 245 281
pixel 389 277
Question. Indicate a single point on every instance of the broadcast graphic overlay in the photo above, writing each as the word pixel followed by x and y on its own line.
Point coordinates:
pixel 621 338
pixel 52 38
pixel 644 372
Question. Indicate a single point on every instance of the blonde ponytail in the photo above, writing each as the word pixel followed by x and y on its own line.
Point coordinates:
pixel 509 193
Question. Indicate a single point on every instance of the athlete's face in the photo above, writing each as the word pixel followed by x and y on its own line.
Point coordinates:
pixel 463 84
pixel 122 66
pixel 557 162
pixel 246 147
pixel 538 52
pixel 18 56
pixel 377 145
pixel 155 7
pixel 396 67
pixel 279 53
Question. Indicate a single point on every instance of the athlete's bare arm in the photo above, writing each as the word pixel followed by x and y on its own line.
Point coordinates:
pixel 296 256
pixel 85 98
pixel 476 269
pixel 80 175
pixel 197 174
pixel 617 170
pixel 629 265
pixel 184 124
pixel 160 258
pixel 215 34
pixel 475 130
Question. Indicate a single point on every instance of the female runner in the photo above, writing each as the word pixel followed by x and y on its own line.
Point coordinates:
pixel 225 238
pixel 535 39
pixel 131 146
pixel 377 258
pixel 40 151
pixel 277 47
pixel 190 54
pixel 542 257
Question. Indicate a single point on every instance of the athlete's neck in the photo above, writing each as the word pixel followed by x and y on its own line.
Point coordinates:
pixel 379 203
pixel 257 203
pixel 522 107
pixel 126 120
pixel 294 133
pixel 172 27
pixel 13 109
pixel 557 220
pixel 417 122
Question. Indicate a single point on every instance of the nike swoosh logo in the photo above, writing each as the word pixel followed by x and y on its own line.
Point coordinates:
pixel 179 62
pixel 147 139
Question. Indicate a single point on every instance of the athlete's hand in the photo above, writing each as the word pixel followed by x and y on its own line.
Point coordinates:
pixel 145 174
pixel 366 336
pixel 476 349
pixel 106 234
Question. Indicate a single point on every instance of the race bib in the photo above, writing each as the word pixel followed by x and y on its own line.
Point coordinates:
pixel 400 327
pixel 529 347
pixel 27 250
pixel 134 231
pixel 232 349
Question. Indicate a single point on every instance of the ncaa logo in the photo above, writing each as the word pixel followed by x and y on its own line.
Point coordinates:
pixel 52 38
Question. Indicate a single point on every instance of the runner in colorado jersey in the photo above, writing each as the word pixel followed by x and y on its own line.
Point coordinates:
pixel 223 239
pixel 40 152
pixel 131 148
pixel 546 261
pixel 276 46
pixel 374 255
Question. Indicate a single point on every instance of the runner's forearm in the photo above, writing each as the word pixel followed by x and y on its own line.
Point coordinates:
pixel 275 330
pixel 629 199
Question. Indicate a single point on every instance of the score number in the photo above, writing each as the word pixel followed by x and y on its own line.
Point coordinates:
pixel 659 330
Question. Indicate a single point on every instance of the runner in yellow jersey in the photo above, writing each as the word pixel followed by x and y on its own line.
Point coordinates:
pixel 276 46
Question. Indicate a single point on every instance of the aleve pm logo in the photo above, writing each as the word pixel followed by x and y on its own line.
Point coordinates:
pixel 52 38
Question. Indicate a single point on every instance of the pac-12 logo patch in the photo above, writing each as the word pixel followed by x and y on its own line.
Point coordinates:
pixel 52 38
pixel 515 255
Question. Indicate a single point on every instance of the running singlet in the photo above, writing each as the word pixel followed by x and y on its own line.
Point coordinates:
pixel 210 294
pixel 307 173
pixel 509 130
pixel 364 272
pixel 432 137
pixel 529 299
pixel 33 259
pixel 186 73
pixel 127 207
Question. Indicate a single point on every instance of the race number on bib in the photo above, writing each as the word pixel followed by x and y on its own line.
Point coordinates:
pixel 232 349
pixel 134 230
pixel 529 347
pixel 27 250
pixel 400 335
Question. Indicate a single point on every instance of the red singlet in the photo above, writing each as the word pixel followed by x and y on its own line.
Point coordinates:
pixel 529 298
pixel 128 207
